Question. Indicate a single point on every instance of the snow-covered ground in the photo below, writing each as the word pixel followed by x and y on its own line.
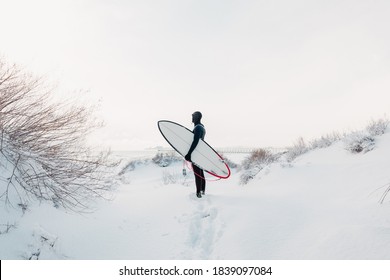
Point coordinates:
pixel 323 205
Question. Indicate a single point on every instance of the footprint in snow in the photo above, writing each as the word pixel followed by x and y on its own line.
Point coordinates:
pixel 204 229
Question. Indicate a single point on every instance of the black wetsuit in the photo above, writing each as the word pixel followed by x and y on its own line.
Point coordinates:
pixel 199 133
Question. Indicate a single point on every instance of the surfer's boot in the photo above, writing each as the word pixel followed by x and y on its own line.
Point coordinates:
pixel 202 192
pixel 198 195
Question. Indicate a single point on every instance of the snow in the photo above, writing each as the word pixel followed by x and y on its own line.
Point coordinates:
pixel 323 205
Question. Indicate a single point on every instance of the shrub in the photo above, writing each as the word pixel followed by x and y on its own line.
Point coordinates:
pixel 253 164
pixel 378 127
pixel 42 145
pixel 296 150
pixel 364 141
pixel 165 159
pixel 258 157
pixel 358 142
pixel 325 141
pixel 132 165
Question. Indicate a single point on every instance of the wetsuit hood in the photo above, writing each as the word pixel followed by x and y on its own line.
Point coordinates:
pixel 196 117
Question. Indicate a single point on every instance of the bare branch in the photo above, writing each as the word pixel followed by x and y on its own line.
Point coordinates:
pixel 43 144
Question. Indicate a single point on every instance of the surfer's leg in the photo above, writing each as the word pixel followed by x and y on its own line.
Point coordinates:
pixel 203 182
pixel 198 179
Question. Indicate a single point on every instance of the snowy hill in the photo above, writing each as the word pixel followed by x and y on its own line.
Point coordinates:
pixel 323 205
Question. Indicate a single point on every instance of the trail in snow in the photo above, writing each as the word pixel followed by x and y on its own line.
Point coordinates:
pixel 204 228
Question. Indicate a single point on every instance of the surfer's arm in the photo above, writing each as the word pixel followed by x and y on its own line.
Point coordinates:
pixel 197 135
pixel 193 145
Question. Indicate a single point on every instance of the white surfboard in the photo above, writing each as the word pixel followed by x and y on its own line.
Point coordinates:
pixel 204 156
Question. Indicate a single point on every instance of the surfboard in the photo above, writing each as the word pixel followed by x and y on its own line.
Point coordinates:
pixel 180 138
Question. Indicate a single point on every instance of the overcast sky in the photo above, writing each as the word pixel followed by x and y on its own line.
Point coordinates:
pixel 263 73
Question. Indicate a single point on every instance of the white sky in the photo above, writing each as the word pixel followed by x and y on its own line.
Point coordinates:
pixel 263 73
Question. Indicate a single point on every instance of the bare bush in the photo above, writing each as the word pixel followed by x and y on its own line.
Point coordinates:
pixel 359 142
pixel 378 127
pixel 132 165
pixel 325 141
pixel 296 150
pixel 258 157
pixel 253 164
pixel 42 145
pixel 364 141
pixel 165 159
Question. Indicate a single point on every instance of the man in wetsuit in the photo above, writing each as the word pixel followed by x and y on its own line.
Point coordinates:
pixel 199 133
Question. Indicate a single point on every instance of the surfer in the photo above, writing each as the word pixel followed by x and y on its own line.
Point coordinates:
pixel 199 133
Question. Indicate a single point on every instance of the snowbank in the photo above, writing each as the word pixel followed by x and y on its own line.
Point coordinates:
pixel 323 205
